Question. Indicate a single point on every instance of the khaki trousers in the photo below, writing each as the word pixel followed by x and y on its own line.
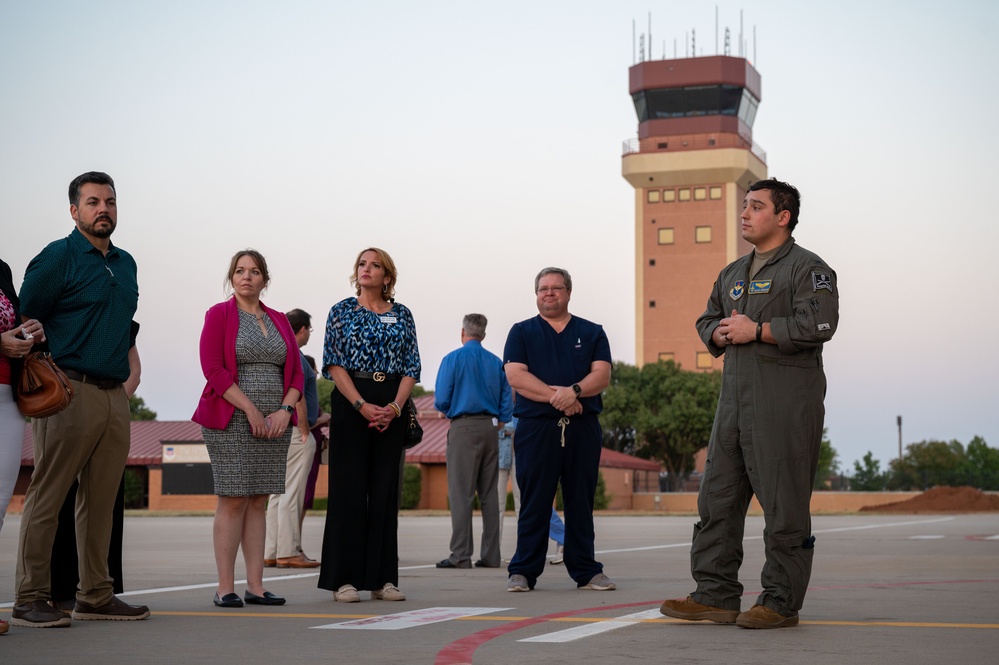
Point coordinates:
pixel 88 440
pixel 284 511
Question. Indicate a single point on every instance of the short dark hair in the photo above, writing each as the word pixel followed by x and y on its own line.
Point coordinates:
pixel 784 197
pixel 312 362
pixel 91 177
pixel 474 326
pixel 299 318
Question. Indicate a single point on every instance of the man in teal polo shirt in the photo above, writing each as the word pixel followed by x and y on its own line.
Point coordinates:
pixel 85 291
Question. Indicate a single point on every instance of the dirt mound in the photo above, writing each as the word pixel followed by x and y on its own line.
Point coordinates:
pixel 942 500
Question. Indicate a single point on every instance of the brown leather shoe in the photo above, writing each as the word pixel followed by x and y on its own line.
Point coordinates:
pixel 298 561
pixel 113 610
pixel 760 616
pixel 270 563
pixel 689 609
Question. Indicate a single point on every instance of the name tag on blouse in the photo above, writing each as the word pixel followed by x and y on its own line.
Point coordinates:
pixel 388 319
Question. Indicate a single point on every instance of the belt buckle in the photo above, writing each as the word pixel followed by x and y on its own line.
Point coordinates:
pixel 378 376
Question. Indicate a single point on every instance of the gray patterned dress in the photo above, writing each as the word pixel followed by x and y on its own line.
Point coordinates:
pixel 241 464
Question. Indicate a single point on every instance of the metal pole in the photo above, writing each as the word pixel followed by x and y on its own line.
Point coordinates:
pixel 899 418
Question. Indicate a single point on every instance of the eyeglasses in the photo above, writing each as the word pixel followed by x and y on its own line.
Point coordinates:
pixel 552 289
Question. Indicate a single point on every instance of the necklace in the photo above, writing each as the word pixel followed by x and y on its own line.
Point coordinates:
pixel 258 317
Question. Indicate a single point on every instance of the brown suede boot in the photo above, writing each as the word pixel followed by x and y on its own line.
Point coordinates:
pixel 689 609
pixel 759 616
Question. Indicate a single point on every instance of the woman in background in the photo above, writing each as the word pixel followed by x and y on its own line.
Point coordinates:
pixel 254 379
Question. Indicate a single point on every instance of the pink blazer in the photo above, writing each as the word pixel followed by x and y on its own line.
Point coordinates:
pixel 218 362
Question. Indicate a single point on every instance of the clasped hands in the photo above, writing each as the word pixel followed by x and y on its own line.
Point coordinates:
pixel 270 427
pixel 13 343
pixel 379 417
pixel 564 399
pixel 735 329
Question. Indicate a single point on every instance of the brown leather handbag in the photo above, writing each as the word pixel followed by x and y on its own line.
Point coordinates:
pixel 44 389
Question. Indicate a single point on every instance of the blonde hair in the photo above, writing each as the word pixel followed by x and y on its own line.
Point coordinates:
pixel 388 265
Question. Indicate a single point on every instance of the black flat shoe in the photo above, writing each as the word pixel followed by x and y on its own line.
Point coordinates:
pixel 228 600
pixel 267 599
pixel 482 564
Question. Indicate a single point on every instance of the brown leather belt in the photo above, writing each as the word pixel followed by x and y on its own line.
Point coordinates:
pixel 377 377
pixel 103 384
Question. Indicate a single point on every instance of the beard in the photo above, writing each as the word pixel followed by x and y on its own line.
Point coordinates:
pixel 102 232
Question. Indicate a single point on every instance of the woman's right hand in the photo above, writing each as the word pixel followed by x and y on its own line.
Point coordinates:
pixel 258 423
pixel 13 346
pixel 33 328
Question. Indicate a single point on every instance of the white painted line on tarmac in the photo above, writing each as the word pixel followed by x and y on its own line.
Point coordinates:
pixel 928 537
pixel 596 628
pixel 413 618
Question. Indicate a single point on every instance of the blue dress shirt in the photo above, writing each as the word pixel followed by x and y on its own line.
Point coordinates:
pixel 471 381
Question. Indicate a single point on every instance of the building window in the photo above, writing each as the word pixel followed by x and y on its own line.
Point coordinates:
pixel 703 360
pixel 669 195
pixel 652 303
pixel 714 193
pixel 663 357
pixel 653 196
pixel 652 262
pixel 700 193
pixel 665 236
pixel 684 194
pixel 702 234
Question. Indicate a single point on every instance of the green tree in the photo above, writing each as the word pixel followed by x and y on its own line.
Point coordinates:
pixel 828 462
pixel 138 409
pixel 867 478
pixel 661 412
pixel 927 464
pixel 980 467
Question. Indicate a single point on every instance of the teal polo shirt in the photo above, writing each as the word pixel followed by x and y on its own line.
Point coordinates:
pixel 86 302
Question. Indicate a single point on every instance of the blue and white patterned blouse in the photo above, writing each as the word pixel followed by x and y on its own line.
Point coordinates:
pixel 360 340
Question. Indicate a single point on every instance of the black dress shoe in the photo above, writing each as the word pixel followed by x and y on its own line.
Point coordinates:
pixel 267 599
pixel 482 564
pixel 447 563
pixel 228 600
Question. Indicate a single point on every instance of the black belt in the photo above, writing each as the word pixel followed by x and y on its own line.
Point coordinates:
pixel 103 384
pixel 377 377
pixel 474 415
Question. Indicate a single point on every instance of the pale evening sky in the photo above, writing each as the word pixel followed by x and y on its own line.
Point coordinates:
pixel 478 143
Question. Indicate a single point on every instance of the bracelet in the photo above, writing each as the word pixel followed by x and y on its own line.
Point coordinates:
pixel 759 331
pixel 396 408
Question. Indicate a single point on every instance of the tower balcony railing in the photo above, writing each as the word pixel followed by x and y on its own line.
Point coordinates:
pixel 697 142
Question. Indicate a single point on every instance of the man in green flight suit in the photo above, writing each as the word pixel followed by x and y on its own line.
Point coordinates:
pixel 770 312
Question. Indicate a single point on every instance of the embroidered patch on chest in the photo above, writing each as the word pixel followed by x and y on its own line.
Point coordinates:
pixel 822 282
pixel 760 286
pixel 737 290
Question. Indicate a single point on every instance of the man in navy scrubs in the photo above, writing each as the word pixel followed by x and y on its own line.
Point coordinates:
pixel 558 364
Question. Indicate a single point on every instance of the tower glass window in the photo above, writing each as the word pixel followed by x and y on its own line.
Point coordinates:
pixel 665 236
pixel 696 100
pixel 653 196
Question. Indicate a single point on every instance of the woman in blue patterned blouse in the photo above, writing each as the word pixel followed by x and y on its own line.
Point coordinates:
pixel 370 352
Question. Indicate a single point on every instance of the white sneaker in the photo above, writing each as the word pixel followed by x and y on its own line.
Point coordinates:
pixel 388 592
pixel 346 594
pixel 558 558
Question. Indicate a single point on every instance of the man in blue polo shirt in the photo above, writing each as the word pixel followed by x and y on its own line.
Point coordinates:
pixel 85 291
pixel 472 391
pixel 558 364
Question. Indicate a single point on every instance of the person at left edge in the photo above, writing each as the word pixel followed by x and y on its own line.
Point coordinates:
pixel 372 355
pixel 472 391
pixel 254 380
pixel 84 290
pixel 16 340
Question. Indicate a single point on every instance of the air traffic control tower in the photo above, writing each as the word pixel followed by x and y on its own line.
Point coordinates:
pixel 690 166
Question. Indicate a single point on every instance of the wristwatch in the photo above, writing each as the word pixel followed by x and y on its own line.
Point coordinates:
pixel 576 389
pixel 358 404
pixel 289 409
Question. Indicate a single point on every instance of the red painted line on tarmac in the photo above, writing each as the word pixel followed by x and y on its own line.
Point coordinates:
pixel 460 652
pixel 990 537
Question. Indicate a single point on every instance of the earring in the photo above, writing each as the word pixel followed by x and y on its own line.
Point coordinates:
pixel 384 288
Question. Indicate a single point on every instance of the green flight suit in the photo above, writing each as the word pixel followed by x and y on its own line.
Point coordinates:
pixel 768 427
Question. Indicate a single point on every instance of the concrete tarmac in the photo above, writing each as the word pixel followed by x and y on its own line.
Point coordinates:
pixel 885 589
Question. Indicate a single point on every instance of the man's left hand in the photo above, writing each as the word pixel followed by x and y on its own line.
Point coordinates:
pixel 563 398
